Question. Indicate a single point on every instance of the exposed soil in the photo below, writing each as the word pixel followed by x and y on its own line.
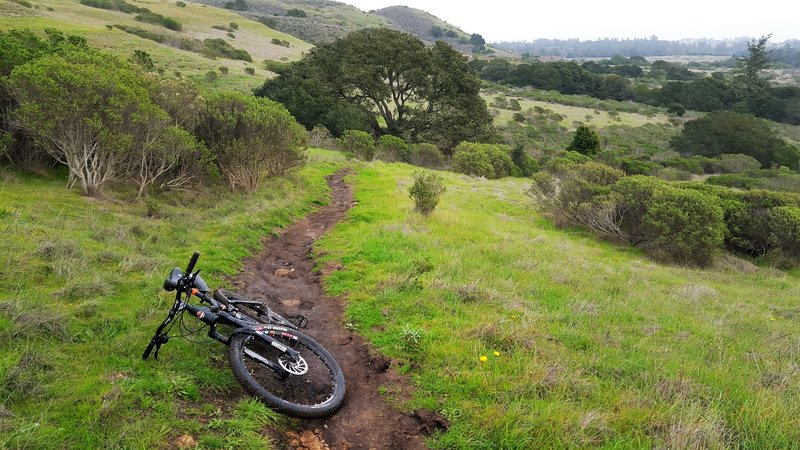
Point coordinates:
pixel 281 276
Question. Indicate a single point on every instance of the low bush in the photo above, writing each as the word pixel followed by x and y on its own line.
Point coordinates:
pixel 427 155
pixel 639 167
pixel 426 191
pixel 158 19
pixel 673 174
pixel 749 221
pixel 697 165
pixel 321 137
pixel 142 33
pixel 735 163
pixel 251 137
pixel 579 195
pixel 472 160
pixel 220 48
pixel 526 165
pixel 118 5
pixel 682 226
pixel 483 160
pixel 735 180
pixel 359 144
pixel 785 232
pixel 393 149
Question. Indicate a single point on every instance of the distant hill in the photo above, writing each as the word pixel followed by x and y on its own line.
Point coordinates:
pixel 426 26
pixel 315 21
pixel 172 51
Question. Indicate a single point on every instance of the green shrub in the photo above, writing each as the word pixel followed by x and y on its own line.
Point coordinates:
pixel 142 59
pixel 749 222
pixel 223 70
pixel 426 190
pixel 393 149
pixel 785 233
pixel 554 165
pixel 677 109
pixel 735 180
pixel 158 19
pixel 359 144
pixel 673 174
pixel 639 167
pixel 118 5
pixel 500 156
pixel 249 70
pixel 427 155
pixel 526 166
pixel 579 195
pixel 251 137
pixel 632 195
pixel 576 157
pixel 295 12
pixel 142 33
pixel 214 48
pixel 696 164
pixel 180 4
pixel 735 163
pixel 211 76
pixel 472 159
pixel 585 141
pixel 683 226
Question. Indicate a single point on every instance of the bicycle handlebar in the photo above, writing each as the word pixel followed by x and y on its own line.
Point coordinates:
pixel 192 262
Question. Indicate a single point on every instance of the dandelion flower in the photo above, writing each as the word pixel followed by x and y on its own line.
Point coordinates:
pixel 483 358
pixel 496 353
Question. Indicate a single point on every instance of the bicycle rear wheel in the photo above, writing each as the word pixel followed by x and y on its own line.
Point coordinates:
pixel 315 386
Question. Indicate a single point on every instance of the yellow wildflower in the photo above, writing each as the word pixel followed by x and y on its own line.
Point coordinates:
pixel 483 358
pixel 496 353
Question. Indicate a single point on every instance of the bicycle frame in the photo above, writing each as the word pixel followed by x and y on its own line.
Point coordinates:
pixel 216 314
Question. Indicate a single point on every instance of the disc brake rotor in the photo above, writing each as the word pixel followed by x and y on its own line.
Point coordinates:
pixel 299 367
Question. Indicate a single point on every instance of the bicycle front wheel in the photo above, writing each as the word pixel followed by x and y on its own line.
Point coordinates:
pixel 315 386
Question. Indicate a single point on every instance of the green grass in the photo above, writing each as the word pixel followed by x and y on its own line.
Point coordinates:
pixel 82 296
pixel 197 21
pixel 598 345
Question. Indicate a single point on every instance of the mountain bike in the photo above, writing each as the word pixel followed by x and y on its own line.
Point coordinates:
pixel 269 357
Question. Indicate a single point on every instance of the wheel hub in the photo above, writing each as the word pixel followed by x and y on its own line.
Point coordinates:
pixel 297 367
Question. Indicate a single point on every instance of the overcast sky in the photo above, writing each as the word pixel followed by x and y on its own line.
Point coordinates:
pixel 506 20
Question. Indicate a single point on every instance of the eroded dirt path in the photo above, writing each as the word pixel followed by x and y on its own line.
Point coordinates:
pixel 281 276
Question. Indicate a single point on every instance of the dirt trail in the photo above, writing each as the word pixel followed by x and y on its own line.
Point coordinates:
pixel 281 276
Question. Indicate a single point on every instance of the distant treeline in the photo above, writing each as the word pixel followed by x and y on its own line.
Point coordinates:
pixel 681 88
pixel 787 53
pixel 602 48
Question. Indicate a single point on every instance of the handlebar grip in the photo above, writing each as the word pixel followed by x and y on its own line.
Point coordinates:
pixel 192 262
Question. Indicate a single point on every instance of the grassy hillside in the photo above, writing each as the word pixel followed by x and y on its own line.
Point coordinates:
pixel 197 21
pixel 570 115
pixel 420 23
pixel 324 20
pixel 82 296
pixel 586 344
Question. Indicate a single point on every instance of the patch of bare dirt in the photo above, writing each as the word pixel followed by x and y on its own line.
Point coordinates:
pixel 281 276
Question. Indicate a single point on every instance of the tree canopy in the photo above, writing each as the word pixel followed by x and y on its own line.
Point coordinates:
pixel 728 132
pixel 387 82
